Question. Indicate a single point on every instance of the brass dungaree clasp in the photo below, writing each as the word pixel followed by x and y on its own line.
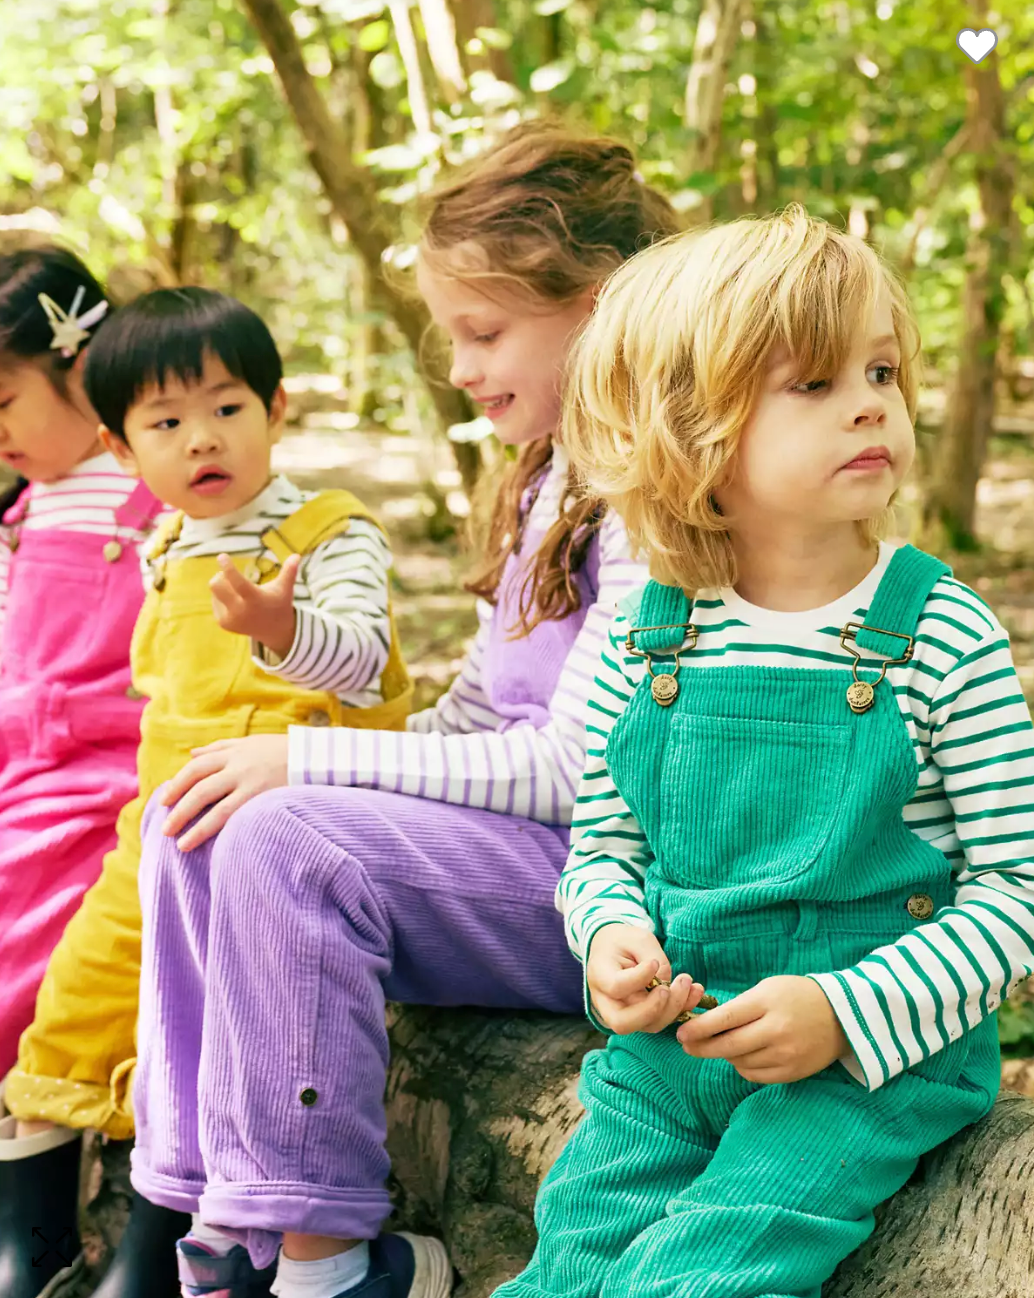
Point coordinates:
pixel 861 694
pixel 663 686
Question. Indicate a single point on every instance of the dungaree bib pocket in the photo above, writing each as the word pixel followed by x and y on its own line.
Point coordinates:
pixel 754 811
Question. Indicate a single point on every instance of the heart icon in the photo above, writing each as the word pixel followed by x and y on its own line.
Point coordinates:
pixel 976 45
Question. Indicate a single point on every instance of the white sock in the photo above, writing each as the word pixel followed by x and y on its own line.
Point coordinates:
pixel 326 1278
pixel 214 1238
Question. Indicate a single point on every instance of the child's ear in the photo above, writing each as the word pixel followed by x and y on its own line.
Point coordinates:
pixel 119 447
pixel 277 415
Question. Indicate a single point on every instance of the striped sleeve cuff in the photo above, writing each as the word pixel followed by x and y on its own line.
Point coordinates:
pixel 856 1007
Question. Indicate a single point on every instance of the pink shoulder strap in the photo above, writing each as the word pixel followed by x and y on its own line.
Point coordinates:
pixel 17 512
pixel 139 509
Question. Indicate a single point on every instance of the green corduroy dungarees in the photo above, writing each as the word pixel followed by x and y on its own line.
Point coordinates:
pixel 774 814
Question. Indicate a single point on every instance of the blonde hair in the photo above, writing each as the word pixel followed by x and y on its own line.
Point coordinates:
pixel 545 214
pixel 665 375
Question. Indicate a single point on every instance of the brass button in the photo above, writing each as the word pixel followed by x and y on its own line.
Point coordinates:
pixel 308 1097
pixel 133 693
pixel 920 906
pixel 319 718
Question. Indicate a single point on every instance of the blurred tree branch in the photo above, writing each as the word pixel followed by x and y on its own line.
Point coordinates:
pixel 353 195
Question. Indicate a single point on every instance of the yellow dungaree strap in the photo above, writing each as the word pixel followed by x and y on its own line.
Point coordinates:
pixel 318 520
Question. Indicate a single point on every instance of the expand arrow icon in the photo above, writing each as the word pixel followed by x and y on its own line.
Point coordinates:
pixel 38 1261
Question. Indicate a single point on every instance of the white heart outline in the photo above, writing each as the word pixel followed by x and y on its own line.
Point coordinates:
pixel 984 31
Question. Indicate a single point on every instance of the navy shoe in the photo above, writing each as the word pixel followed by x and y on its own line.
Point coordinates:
pixel 405 1266
pixel 207 1274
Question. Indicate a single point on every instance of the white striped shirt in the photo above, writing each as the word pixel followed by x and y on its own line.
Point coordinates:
pixel 85 500
pixel 341 597
pixel 464 752
pixel 971 731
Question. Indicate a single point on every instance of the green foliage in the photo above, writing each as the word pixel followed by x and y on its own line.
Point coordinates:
pixel 1016 1028
pixel 153 134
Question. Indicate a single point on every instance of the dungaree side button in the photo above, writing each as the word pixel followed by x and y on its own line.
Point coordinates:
pixel 308 1097
pixel 920 906
pixel 319 718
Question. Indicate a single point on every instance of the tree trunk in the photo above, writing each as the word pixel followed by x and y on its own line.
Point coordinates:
pixel 480 1104
pixel 469 15
pixel 353 194
pixel 409 51
pixel 440 34
pixel 717 30
pixel 766 74
pixel 951 501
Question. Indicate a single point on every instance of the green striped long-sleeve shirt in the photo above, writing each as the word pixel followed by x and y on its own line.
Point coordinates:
pixel 973 740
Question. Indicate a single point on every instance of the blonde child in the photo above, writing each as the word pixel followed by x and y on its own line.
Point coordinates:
pixel 809 786
pixel 419 866
pixel 266 607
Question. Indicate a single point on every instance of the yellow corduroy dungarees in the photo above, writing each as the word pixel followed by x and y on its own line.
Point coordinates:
pixel 76 1060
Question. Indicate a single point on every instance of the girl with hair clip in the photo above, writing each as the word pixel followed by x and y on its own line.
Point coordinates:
pixel 809 786
pixel 418 866
pixel 70 591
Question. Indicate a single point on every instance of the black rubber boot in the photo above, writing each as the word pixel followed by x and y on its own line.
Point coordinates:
pixel 40 1252
pixel 144 1265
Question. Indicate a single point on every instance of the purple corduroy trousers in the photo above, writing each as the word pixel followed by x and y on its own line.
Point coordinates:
pixel 268 955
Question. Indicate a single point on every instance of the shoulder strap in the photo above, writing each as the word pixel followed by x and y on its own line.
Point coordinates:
pixel 899 599
pixel 168 532
pixel 664 612
pixel 326 515
pixel 139 509
pixel 14 502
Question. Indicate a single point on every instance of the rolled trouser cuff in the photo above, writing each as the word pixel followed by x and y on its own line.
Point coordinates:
pixel 174 1193
pixel 67 1103
pixel 259 1214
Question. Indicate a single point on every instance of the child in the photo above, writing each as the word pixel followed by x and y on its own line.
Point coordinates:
pixel 187 386
pixel 69 594
pixel 809 786
pixel 419 867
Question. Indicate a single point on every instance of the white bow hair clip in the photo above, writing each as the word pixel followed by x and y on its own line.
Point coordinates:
pixel 70 328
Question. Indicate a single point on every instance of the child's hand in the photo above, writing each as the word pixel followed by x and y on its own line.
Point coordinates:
pixel 782 1030
pixel 623 961
pixel 222 776
pixel 266 613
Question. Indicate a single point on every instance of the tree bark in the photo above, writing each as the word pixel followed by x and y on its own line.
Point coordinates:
pixel 479 1106
pixel 469 16
pixel 717 30
pixel 353 194
pixel 950 504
